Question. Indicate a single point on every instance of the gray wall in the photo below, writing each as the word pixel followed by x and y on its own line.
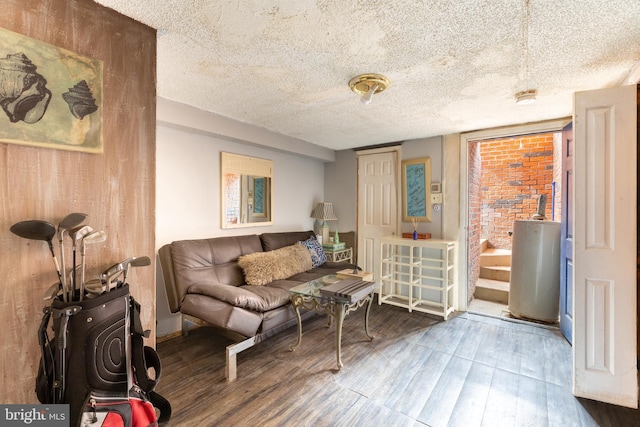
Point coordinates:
pixel 341 184
pixel 188 196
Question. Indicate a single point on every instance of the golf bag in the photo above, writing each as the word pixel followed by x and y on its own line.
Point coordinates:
pixel 97 363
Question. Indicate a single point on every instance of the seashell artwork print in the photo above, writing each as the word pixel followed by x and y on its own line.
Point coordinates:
pixel 23 92
pixel 51 97
pixel 80 100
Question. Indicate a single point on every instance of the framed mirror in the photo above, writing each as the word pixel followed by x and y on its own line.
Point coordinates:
pixel 247 189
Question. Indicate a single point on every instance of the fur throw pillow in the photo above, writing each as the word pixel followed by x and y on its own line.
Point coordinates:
pixel 261 268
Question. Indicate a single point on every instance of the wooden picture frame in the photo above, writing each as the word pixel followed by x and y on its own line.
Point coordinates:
pixel 416 189
pixel 246 191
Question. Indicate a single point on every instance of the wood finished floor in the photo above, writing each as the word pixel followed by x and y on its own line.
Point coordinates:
pixel 418 371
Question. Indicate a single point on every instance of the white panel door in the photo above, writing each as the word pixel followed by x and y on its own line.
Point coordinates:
pixel 377 206
pixel 604 346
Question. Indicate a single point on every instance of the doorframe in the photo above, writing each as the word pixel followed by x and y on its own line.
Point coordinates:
pixel 465 138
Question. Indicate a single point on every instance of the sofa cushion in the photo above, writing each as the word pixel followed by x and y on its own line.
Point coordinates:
pixel 254 298
pixel 272 241
pixel 261 268
pixel 318 257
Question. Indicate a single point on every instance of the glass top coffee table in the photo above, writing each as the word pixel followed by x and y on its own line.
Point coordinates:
pixel 309 296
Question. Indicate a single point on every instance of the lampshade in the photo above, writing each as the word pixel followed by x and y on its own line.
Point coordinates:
pixel 324 211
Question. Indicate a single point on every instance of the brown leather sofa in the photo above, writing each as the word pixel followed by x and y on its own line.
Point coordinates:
pixel 205 283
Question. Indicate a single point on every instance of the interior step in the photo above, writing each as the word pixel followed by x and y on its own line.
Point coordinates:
pixel 496 272
pixel 492 290
pixel 495 257
pixel 484 245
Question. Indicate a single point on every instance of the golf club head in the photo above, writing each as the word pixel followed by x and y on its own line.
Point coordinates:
pixel 112 281
pixel 109 271
pixel 77 233
pixel 34 229
pixel 52 291
pixel 142 261
pixel 38 230
pixel 92 237
pixel 70 221
pixel 95 287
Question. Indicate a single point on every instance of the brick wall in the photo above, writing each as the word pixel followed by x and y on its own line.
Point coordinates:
pixel 515 172
pixel 557 178
pixel 232 194
pixel 475 216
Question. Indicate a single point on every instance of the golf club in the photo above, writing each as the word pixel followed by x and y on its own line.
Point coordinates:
pixel 91 238
pixel 70 221
pixel 94 287
pixel 38 230
pixel 113 278
pixel 52 292
pixel 142 261
pixel 103 281
pixel 76 234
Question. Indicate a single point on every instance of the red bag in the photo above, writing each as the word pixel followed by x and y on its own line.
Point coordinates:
pixel 108 412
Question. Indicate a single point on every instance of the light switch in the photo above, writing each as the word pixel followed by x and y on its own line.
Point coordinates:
pixel 436 198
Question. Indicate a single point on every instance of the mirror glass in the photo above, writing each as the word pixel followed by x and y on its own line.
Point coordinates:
pixel 246 191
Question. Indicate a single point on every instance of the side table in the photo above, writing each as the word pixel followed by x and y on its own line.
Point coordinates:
pixel 341 255
pixel 309 297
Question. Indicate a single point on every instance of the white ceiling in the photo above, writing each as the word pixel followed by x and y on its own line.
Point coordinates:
pixel 454 66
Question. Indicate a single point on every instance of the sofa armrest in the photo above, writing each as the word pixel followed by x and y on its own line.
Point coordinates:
pixel 168 275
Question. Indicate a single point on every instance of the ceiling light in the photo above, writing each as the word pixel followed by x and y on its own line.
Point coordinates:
pixel 526 97
pixel 366 85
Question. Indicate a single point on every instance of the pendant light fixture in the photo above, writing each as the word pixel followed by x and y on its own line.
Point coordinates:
pixel 367 85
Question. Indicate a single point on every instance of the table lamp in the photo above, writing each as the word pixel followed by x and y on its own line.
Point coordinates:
pixel 324 212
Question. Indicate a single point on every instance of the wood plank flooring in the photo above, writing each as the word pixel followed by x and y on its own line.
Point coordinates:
pixel 418 371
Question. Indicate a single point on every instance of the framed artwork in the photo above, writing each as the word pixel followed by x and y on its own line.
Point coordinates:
pixel 49 97
pixel 416 190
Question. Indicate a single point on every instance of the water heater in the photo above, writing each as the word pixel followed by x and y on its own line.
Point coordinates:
pixel 534 292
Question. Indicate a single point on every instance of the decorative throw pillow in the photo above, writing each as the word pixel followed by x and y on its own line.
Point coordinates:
pixel 261 268
pixel 318 257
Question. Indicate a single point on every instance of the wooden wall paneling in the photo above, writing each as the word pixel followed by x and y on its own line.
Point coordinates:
pixel 116 189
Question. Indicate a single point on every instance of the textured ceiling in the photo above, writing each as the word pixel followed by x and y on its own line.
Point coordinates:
pixel 454 66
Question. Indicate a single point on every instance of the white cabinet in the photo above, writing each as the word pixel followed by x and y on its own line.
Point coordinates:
pixel 418 275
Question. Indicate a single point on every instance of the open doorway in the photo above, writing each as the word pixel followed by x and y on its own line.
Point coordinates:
pixel 510 178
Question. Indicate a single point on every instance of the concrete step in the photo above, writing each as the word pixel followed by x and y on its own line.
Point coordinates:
pixel 492 290
pixel 496 272
pixel 495 257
